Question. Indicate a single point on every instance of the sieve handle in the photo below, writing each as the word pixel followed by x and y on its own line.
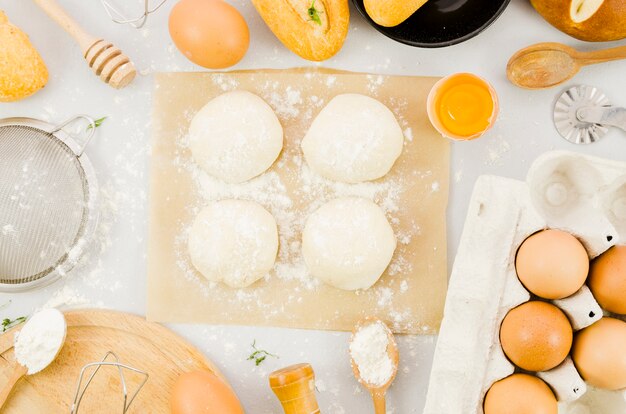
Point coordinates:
pixel 91 130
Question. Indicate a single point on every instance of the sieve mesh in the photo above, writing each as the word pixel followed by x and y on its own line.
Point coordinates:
pixel 43 203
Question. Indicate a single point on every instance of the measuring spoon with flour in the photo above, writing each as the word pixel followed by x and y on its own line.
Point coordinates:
pixel 36 345
pixel 374 356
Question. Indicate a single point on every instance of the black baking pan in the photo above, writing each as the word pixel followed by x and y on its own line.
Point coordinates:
pixel 441 23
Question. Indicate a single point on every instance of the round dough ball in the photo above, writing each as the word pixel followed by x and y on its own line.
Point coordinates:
pixel 233 241
pixel 348 243
pixel 235 137
pixel 354 139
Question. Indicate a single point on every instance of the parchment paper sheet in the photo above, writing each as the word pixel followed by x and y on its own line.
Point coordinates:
pixel 411 299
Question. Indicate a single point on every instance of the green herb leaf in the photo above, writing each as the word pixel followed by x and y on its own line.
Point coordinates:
pixel 314 14
pixel 259 355
pixel 97 122
pixel 8 323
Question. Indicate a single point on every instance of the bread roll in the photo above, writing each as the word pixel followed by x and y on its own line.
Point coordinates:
pixel 391 13
pixel 312 29
pixel 22 71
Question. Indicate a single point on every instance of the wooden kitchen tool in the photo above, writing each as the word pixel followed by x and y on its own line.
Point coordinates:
pixel 90 335
pixel 34 326
pixel 378 392
pixel 295 388
pixel 107 61
pixel 19 371
pixel 549 64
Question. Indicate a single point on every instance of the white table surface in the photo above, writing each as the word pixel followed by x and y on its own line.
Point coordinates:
pixel 115 275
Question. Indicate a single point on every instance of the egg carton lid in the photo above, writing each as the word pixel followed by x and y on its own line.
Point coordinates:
pixel 582 195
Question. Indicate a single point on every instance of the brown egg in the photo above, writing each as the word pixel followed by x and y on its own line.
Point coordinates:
pixel 210 33
pixel 599 354
pixel 520 394
pixel 536 336
pixel 201 392
pixel 607 280
pixel 552 264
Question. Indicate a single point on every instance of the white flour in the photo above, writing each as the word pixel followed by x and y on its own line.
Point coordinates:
pixel 369 352
pixel 40 340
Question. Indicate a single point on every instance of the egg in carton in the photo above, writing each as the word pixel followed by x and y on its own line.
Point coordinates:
pixel 575 193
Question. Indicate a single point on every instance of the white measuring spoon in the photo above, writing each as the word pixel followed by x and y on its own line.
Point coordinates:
pixel 45 331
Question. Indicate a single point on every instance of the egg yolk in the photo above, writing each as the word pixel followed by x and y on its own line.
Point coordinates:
pixel 465 105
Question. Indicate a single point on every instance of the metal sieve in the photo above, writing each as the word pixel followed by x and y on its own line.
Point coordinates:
pixel 48 191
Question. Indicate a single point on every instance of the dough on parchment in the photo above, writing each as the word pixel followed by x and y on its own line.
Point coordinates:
pixel 354 139
pixel 235 137
pixel 233 241
pixel 348 243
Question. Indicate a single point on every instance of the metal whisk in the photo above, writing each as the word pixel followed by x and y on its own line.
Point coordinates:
pixel 120 17
pixel 106 362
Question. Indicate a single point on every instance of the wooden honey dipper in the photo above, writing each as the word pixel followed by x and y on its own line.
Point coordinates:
pixel 107 61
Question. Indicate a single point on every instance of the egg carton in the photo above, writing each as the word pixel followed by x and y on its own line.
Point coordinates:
pixel 579 194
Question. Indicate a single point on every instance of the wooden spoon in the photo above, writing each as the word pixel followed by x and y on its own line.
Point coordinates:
pixel 378 392
pixel 107 61
pixel 549 64
pixel 19 370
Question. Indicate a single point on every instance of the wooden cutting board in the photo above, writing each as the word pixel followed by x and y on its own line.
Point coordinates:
pixel 90 335
pixel 411 293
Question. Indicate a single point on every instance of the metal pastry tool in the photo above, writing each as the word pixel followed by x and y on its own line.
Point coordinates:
pixel 583 115
pixel 107 362
pixel 48 193
pixel 120 17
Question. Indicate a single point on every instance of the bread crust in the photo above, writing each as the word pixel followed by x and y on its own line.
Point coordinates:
pixel 22 70
pixel 317 37
pixel 607 24
pixel 390 13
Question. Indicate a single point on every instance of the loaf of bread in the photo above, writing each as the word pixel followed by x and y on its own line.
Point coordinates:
pixel 391 13
pixel 312 29
pixel 22 70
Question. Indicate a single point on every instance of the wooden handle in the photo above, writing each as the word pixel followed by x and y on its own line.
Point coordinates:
pixel 17 374
pixel 380 404
pixel 56 13
pixel 599 56
pixel 295 388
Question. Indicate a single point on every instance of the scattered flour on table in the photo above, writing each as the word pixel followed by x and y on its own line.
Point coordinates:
pixel 66 297
pixel 408 134
pixel 369 352
pixel 497 148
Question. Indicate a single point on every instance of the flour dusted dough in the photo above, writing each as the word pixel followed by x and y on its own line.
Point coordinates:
pixel 233 241
pixel 348 243
pixel 355 138
pixel 236 137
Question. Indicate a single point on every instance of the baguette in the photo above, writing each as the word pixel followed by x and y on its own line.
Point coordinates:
pixel 312 29
pixel 22 70
pixel 390 13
